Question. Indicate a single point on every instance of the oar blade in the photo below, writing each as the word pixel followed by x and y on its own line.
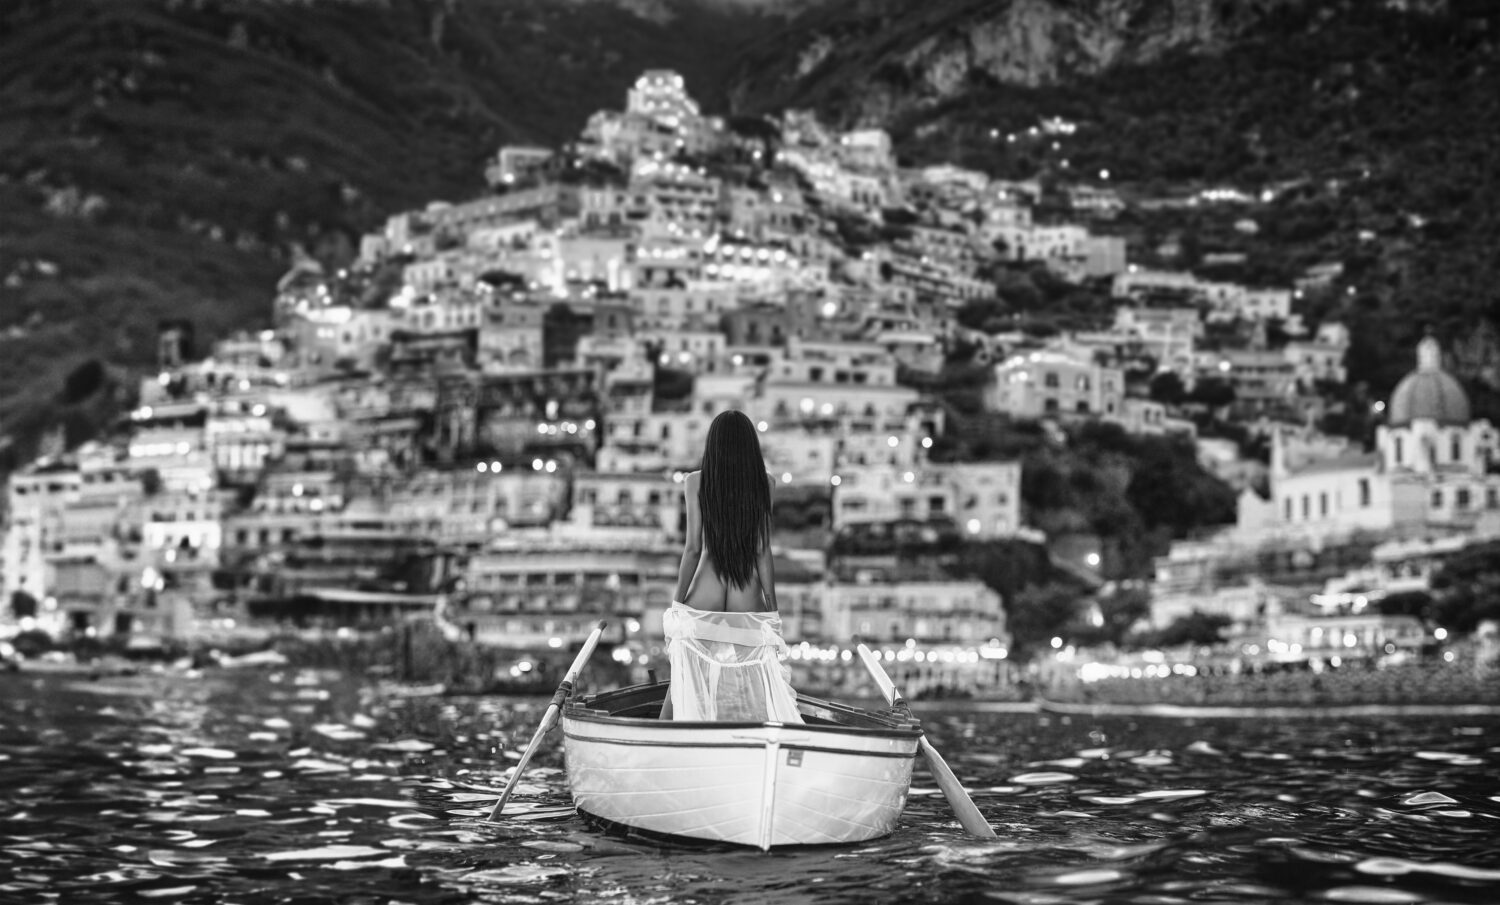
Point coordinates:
pixel 969 816
pixel 964 808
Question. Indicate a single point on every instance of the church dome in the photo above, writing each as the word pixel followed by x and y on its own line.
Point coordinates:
pixel 1428 392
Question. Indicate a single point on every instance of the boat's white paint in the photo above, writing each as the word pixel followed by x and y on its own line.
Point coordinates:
pixel 752 784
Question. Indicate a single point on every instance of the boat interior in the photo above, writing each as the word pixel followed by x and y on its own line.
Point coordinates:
pixel 644 702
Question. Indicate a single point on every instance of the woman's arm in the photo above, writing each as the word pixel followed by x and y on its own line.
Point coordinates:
pixel 768 575
pixel 692 547
pixel 766 563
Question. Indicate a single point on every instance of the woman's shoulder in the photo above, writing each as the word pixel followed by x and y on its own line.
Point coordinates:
pixel 692 478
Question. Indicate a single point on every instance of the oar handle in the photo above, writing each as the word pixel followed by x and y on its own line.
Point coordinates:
pixel 888 688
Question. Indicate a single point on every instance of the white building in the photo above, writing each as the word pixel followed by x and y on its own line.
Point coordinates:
pixel 982 498
pixel 1430 469
pixel 1048 384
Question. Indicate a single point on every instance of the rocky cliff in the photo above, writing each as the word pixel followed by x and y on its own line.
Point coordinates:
pixel 875 60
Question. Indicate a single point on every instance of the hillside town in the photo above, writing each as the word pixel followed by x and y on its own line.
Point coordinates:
pixel 483 423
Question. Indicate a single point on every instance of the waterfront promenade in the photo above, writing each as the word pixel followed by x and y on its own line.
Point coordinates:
pixel 1425 685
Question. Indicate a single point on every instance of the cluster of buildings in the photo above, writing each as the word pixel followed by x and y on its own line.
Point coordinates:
pixel 1302 571
pixel 488 415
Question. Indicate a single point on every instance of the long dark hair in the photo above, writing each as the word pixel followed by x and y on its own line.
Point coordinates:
pixel 734 497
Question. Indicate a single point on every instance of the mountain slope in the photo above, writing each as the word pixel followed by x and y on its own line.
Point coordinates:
pixel 161 158
pixel 1375 125
pixel 878 59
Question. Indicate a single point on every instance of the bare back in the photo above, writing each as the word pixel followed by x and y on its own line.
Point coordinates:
pixel 708 590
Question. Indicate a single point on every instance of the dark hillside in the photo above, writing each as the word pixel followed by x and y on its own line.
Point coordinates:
pixel 1375 129
pixel 162 158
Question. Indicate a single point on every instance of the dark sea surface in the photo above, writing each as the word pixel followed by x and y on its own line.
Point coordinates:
pixel 303 786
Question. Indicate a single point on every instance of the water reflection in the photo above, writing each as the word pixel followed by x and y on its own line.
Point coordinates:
pixel 304 786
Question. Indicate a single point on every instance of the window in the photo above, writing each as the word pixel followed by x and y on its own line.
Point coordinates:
pixel 1461 498
pixel 937 504
pixel 1049 405
pixel 1323 504
pixel 1287 509
pixel 1082 383
pixel 1364 491
pixel 1083 406
pixel 1455 447
pixel 1400 447
pixel 1050 380
pixel 1437 499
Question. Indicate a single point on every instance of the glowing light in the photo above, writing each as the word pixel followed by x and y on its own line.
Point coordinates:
pixel 761 426
pixel 835 480
pixel 482 467
pixel 1092 559
pixel 973 525
pixel 1056 642
pixel 927 443
pixel 786 477
pixel 892 442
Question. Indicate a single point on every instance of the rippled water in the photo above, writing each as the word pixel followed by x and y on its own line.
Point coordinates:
pixel 309 787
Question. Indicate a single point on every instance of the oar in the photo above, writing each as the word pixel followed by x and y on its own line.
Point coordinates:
pixel 549 719
pixel 958 799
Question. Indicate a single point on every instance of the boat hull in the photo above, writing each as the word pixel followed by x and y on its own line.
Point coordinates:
pixel 758 784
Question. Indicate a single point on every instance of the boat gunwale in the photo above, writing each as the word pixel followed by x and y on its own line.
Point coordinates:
pixel 751 742
pixel 587 716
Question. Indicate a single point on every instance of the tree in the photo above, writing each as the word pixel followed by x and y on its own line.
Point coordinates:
pixel 1038 614
pixel 1213 392
pixel 1167 388
pixel 1195 628
pixel 1122 610
pixel 1169 488
pixel 1467 589
pixel 83 382
pixel 1005 566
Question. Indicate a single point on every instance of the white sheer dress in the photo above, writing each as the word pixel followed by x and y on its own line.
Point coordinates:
pixel 728 666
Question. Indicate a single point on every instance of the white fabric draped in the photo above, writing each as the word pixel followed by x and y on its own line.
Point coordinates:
pixel 728 666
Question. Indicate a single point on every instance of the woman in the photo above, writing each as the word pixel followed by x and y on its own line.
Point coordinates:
pixel 723 634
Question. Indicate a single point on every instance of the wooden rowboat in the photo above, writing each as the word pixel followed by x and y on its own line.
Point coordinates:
pixel 841 777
